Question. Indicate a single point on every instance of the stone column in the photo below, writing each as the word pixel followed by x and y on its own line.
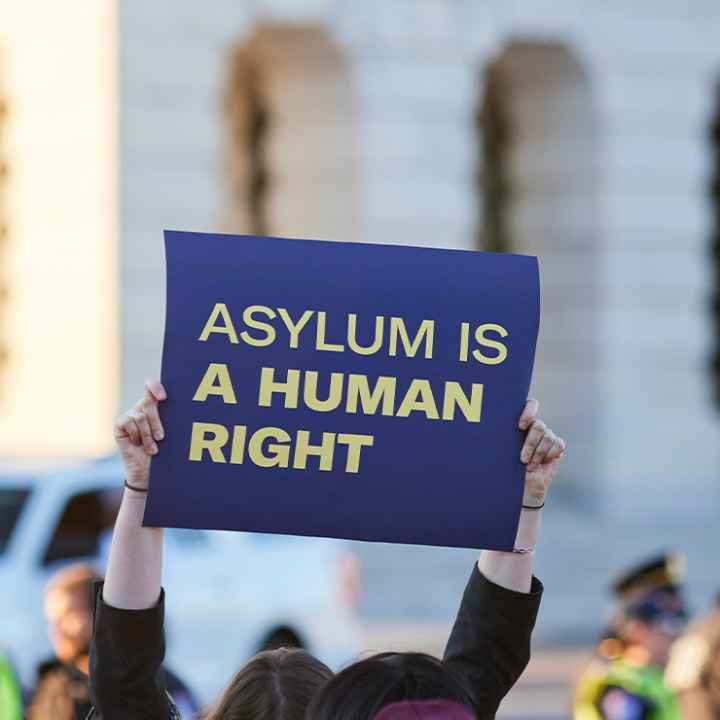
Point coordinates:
pixel 175 64
pixel 661 429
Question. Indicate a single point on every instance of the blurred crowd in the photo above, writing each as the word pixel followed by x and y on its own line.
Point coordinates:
pixel 62 688
pixel 108 633
pixel 650 664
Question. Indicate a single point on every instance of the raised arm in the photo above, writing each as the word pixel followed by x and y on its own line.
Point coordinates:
pixel 128 644
pixel 541 455
pixel 134 570
pixel 489 645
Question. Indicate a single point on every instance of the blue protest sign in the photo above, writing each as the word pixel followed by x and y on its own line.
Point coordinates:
pixel 335 389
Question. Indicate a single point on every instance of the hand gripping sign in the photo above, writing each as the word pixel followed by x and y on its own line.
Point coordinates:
pixel 344 390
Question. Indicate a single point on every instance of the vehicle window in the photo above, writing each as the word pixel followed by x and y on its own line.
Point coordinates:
pixel 86 517
pixel 12 501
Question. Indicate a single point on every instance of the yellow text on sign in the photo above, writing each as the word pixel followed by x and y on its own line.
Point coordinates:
pixel 274 447
pixel 353 394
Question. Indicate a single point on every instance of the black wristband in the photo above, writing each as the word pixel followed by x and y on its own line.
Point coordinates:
pixel 533 507
pixel 136 489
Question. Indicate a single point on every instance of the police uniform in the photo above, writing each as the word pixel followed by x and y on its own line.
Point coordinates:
pixel 619 683
pixel 694 669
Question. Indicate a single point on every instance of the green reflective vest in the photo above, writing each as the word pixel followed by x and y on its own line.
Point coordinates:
pixel 10 698
pixel 642 681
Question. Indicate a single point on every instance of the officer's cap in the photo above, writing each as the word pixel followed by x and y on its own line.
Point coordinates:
pixel 663 571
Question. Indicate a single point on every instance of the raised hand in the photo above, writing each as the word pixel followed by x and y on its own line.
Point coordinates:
pixel 540 453
pixel 137 433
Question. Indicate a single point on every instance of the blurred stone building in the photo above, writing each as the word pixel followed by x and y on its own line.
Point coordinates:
pixel 577 132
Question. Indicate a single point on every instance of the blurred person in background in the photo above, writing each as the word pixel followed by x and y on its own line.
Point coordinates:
pixel 488 649
pixel 625 681
pixel 10 695
pixel 693 671
pixel 63 687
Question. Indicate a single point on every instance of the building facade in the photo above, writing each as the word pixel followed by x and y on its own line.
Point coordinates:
pixel 578 134
pixel 367 122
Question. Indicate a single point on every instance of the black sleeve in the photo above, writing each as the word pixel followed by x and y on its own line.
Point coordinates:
pixel 127 650
pixel 489 645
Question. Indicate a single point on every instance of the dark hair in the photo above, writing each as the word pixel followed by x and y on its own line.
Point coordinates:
pixel 360 691
pixel 273 685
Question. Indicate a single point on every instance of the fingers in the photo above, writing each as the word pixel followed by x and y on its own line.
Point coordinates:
pixel 149 408
pixel 541 445
pixel 557 450
pixel 153 416
pixel 529 413
pixel 134 426
pixel 154 394
pixel 125 428
pixel 154 390
pixel 532 439
pixel 143 426
pixel 541 451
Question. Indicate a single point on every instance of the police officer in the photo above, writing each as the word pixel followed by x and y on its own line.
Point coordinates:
pixel 694 668
pixel 625 681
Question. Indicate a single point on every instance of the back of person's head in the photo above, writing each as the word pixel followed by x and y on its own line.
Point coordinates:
pixel 273 685
pixel 425 710
pixel 362 690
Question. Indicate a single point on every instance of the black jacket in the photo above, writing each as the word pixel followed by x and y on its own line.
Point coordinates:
pixel 489 644
pixel 489 647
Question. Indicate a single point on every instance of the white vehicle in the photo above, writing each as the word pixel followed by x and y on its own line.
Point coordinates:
pixel 229 594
